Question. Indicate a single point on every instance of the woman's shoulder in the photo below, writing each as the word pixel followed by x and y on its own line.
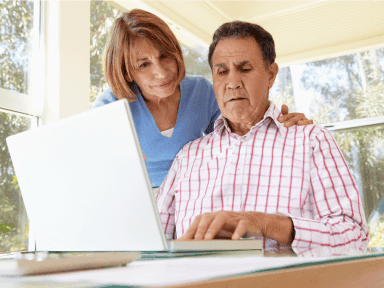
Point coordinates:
pixel 196 80
pixel 104 98
pixel 197 86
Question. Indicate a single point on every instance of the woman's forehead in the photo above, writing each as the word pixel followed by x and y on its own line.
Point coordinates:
pixel 143 47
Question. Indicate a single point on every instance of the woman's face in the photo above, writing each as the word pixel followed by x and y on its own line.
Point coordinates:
pixel 154 72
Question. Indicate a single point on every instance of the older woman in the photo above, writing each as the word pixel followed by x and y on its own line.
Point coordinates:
pixel 144 64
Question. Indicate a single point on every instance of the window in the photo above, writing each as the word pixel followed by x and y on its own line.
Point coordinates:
pixel 19 109
pixel 346 95
pixel 102 17
pixel 196 61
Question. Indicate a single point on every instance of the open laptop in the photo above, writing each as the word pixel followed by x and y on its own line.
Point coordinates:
pixel 85 186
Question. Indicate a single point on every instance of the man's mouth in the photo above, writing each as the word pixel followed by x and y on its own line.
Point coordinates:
pixel 235 99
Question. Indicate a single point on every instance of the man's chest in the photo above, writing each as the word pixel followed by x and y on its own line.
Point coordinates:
pixel 263 173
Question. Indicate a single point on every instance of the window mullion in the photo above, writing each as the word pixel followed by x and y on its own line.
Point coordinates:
pixel 358 123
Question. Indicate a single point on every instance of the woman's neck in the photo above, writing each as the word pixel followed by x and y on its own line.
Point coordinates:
pixel 162 102
pixel 164 110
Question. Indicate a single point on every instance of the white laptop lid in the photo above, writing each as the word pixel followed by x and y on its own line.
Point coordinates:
pixel 85 184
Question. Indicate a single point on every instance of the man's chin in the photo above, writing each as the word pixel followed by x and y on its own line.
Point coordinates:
pixel 238 115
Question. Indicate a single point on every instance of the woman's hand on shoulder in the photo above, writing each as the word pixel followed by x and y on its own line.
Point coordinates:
pixel 290 119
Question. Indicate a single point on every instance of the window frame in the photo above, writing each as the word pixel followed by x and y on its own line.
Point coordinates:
pixel 347 124
pixel 31 104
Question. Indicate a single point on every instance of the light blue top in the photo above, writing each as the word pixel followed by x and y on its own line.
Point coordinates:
pixel 197 113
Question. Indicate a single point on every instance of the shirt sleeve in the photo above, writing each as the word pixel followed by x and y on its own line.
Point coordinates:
pixel 340 222
pixel 165 199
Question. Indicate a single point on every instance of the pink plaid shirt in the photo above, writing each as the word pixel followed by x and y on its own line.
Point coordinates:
pixel 297 172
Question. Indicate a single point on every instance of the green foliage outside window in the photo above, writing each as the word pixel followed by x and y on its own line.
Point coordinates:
pixel 102 17
pixel 16 19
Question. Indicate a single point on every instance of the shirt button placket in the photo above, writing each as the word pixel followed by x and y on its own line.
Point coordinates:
pixel 239 174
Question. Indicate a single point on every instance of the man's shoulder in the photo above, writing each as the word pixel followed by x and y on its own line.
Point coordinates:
pixel 308 130
pixel 315 134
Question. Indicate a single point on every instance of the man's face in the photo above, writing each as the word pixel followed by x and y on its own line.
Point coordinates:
pixel 241 80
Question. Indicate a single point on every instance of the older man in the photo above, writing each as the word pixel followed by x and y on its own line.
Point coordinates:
pixel 253 175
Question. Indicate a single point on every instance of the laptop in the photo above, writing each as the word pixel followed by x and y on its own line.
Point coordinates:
pixel 85 187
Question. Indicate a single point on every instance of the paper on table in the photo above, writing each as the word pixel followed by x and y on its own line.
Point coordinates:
pixel 179 271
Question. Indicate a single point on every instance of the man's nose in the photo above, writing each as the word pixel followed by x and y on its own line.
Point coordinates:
pixel 234 80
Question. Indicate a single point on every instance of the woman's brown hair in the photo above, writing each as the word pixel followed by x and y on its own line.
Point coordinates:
pixel 119 57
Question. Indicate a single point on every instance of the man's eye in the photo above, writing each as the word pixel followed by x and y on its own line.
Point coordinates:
pixel 246 69
pixel 221 72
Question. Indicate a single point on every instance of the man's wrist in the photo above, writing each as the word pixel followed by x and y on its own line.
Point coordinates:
pixel 280 228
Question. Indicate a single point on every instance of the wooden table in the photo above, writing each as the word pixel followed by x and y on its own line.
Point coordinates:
pixel 276 268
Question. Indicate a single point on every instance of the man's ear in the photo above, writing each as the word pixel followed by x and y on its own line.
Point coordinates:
pixel 273 69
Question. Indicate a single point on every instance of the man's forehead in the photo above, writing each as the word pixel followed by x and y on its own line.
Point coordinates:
pixel 237 51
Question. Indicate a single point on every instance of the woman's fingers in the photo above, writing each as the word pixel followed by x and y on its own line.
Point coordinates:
pixel 295 119
pixel 284 109
pixel 305 122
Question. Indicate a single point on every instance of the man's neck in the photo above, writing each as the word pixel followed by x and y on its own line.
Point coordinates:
pixel 243 127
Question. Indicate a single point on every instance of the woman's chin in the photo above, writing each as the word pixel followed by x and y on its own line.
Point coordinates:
pixel 164 92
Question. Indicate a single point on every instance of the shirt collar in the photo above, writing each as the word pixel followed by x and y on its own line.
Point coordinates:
pixel 272 112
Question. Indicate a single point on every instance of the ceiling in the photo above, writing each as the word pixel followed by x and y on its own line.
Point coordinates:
pixel 302 30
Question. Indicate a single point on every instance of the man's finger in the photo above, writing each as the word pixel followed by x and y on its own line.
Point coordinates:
pixel 215 226
pixel 190 234
pixel 284 109
pixel 241 229
pixel 205 222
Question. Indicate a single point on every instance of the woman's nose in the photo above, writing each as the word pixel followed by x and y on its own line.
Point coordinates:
pixel 160 70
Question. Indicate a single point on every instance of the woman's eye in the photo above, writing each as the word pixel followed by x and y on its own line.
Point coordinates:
pixel 163 56
pixel 143 65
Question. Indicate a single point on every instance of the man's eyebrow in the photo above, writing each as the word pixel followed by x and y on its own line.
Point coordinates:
pixel 242 63
pixel 220 65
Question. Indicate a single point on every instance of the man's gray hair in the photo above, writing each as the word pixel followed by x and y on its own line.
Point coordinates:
pixel 240 29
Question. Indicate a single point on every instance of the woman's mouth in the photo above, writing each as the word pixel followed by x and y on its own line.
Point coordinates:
pixel 165 85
